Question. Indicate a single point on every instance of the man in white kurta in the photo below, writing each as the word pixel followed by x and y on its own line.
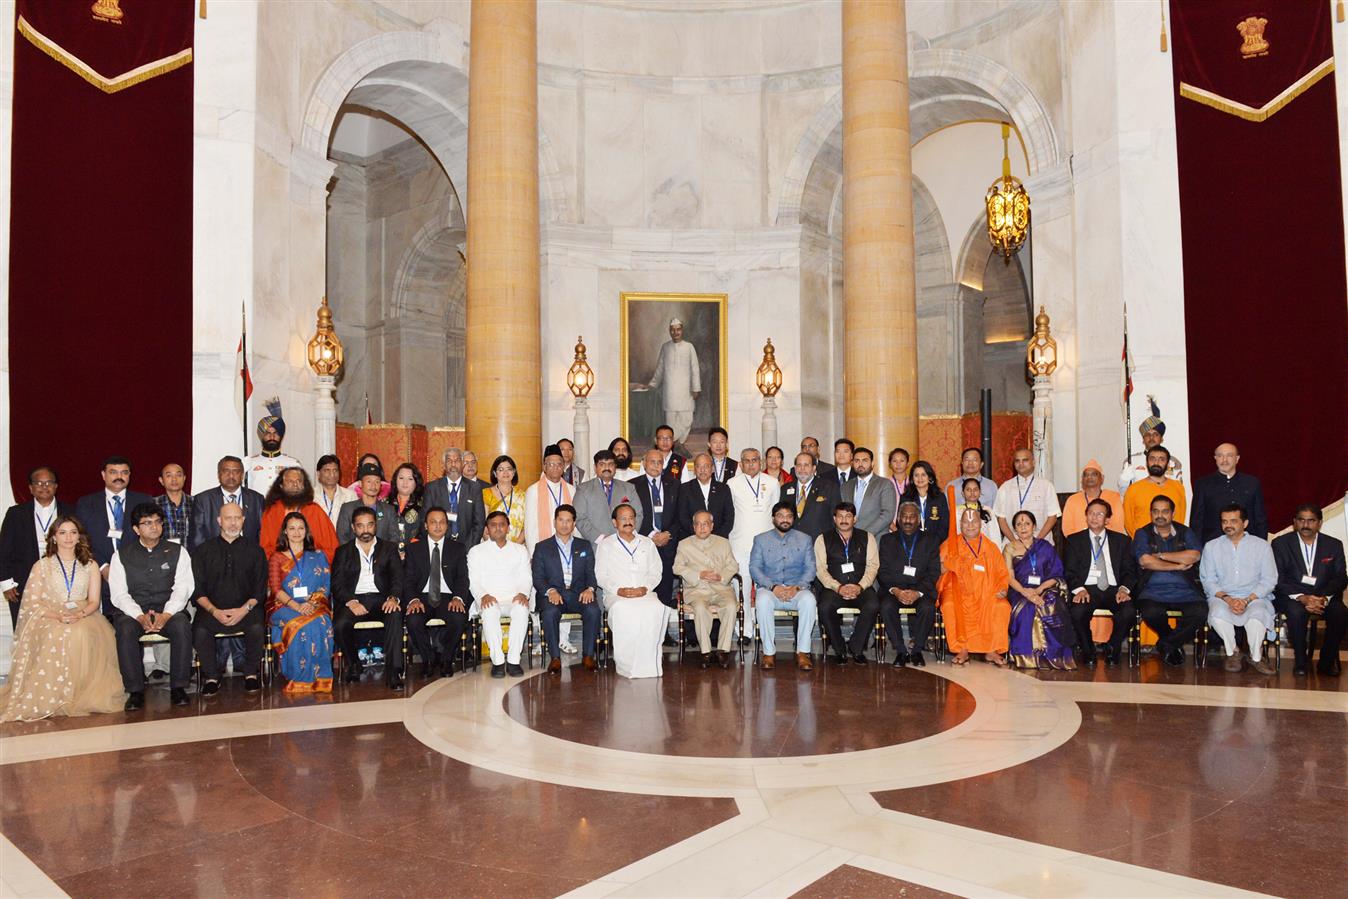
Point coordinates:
pixel 1238 574
pixel 753 494
pixel 679 380
pixel 500 579
pixel 1028 491
pixel 628 569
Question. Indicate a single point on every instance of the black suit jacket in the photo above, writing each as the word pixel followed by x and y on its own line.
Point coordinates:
pixel 818 514
pixel 388 571
pixel 417 569
pixel 1077 552
pixel 548 574
pixel 18 541
pixel 206 512
pixel 718 503
pixel 1330 575
pixel 731 466
pixel 669 496
pixel 926 559
pixel 675 466
pixel 92 511
pixel 472 511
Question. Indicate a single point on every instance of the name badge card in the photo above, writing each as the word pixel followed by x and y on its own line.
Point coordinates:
pixel 910 571
pixel 453 516
pixel 979 568
pixel 848 567
pixel 1308 580
pixel 1033 580
pixel 114 534
pixel 300 593
pixel 658 508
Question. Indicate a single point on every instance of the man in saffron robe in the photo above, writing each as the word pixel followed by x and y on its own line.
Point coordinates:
pixel 973 594
pixel 293 492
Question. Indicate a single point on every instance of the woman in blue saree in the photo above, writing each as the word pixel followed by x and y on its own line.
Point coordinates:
pixel 300 610
pixel 1041 629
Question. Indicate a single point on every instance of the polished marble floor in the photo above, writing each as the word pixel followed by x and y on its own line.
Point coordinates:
pixel 851 781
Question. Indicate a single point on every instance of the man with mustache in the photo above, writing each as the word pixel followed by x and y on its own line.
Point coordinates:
pixel 1137 501
pixel 265 467
pixel 1311 581
pixel 106 515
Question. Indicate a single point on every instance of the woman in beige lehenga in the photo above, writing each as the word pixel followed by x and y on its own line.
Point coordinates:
pixel 65 654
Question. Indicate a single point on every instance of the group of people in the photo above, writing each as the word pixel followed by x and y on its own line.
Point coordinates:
pixel 268 557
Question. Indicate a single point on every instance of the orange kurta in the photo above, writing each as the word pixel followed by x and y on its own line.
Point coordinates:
pixel 1074 512
pixel 976 620
pixel 1137 502
pixel 320 526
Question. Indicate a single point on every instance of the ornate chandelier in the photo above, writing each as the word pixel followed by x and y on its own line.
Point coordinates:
pixel 1008 207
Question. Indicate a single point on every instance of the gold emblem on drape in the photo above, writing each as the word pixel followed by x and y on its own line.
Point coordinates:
pixel 1252 29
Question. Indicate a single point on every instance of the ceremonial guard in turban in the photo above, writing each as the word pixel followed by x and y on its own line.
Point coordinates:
pixel 262 469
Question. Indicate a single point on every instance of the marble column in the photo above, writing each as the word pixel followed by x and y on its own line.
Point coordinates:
pixel 879 290
pixel 504 403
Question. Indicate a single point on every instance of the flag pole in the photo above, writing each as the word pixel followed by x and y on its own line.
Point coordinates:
pixel 243 382
pixel 1127 391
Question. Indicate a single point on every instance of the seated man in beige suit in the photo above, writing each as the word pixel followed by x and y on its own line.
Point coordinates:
pixel 706 564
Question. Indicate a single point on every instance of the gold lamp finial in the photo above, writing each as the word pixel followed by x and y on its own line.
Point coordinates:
pixel 580 377
pixel 769 375
pixel 1008 207
pixel 1041 357
pixel 325 349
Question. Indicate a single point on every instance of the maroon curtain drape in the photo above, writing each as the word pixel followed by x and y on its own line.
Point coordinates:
pixel 1261 214
pixel 100 239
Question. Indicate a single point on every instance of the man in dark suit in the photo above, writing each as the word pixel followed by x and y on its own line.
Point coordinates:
pixel 206 505
pixel 461 498
pixel 1101 573
pixel 1311 580
pixel 23 536
pixel 910 563
pixel 723 467
pixel 658 494
pixel 563 571
pixel 814 497
pixel 1220 489
pixel 842 462
pixel 705 494
pixel 367 585
pixel 671 463
pixel 822 469
pixel 430 594
pixel 106 515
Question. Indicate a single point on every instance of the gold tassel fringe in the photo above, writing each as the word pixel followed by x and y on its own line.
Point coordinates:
pixel 82 69
pixel 1264 113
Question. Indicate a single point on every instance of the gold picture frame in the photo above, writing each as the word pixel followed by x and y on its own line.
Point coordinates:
pixel 643 329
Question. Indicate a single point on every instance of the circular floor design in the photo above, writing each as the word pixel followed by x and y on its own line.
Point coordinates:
pixel 741 713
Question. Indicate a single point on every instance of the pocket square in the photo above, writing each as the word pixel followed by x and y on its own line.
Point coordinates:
pixel 580 554
pixel 164 567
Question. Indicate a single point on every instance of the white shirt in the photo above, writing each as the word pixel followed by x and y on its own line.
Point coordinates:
pixel 568 556
pixel 120 596
pixel 108 502
pixel 706 494
pixel 1307 561
pixel 753 514
pixel 41 514
pixel 260 471
pixel 440 573
pixel 340 496
pixel 618 564
pixel 1034 494
pixel 1104 564
pixel 365 581
pixel 501 572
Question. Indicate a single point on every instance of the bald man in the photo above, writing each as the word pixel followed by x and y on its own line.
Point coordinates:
pixel 1223 487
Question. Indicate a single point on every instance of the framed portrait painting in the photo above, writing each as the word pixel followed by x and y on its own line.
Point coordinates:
pixel 673 367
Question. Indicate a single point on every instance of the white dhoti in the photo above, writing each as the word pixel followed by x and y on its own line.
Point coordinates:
pixel 638 626
pixel 1257 619
pixel 491 629
pixel 682 423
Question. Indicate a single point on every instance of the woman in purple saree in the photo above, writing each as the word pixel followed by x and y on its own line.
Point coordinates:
pixel 1041 628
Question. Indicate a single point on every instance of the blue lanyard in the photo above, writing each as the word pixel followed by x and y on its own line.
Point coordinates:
pixel 753 485
pixel 45 525
pixel 1309 553
pixel 330 503
pixel 922 512
pixel 630 552
pixel 908 548
pixel 294 557
pixel 566 553
pixel 507 501
pixel 69 578
pixel 1027 489
pixel 367 561
pixel 556 497
pixel 847 548
pixel 977 552
pixel 1097 548
pixel 1034 563
pixel 720 469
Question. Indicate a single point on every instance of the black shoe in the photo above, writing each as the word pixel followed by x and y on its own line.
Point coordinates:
pixel 704 660
pixel 498 671
pixel 252 683
pixel 1174 657
pixel 428 670
pixel 723 659
pixel 860 658
pixel 158 674
pixel 1299 669
pixel 839 659
pixel 1087 660
pixel 670 642
pixel 514 670
pixel 134 702
pixel 747 642
pixel 447 668
pixel 917 660
pixel 178 696
pixel 1327 670
pixel 900 660
pixel 210 688
pixel 395 680
pixel 1111 657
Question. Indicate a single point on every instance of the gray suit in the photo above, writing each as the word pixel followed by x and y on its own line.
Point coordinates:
pixel 386 523
pixel 878 504
pixel 594 511
pixel 472 511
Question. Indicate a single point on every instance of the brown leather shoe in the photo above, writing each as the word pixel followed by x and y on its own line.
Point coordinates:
pixel 769 662
pixel 803 661
pixel 555 666
pixel 588 663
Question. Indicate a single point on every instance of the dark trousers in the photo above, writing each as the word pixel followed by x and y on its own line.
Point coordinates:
pixel 1298 623
pixel 665 589
pixel 14 613
pixel 1193 616
pixel 204 629
pixel 432 643
pixel 921 621
pixel 130 653
pixel 829 604
pixel 344 622
pixel 1125 616
pixel 551 618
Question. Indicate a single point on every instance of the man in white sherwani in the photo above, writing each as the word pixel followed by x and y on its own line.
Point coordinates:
pixel 500 579
pixel 679 380
pixel 753 494
pixel 628 568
